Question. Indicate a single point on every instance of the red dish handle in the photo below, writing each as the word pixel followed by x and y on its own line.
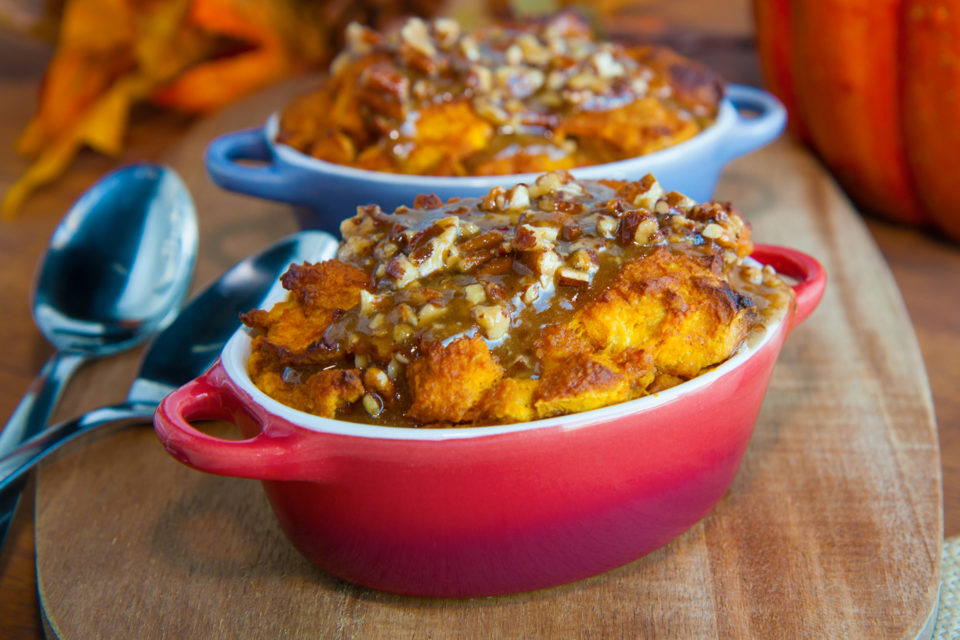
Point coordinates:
pixel 809 273
pixel 276 453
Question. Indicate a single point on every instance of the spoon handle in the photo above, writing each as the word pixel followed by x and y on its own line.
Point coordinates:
pixel 23 456
pixel 16 463
pixel 31 415
pixel 8 506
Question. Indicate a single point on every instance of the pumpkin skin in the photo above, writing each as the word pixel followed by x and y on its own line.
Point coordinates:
pixel 932 96
pixel 873 86
pixel 772 20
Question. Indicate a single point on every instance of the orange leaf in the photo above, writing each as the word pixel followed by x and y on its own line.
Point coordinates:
pixel 212 85
pixel 97 25
pixel 105 124
pixel 248 20
pixel 49 166
pixel 95 40
pixel 166 43
pixel 74 80
pixel 101 127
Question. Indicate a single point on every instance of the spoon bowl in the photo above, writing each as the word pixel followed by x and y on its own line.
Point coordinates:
pixel 119 264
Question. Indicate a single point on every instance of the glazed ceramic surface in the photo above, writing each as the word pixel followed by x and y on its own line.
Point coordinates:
pixel 489 510
pixel 325 193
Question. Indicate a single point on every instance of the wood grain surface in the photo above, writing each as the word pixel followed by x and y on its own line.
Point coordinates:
pixel 832 527
pixel 926 269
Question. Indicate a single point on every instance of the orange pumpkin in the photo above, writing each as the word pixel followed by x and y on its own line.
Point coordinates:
pixel 873 86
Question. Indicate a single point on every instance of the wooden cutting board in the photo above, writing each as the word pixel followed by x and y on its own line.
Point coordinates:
pixel 831 529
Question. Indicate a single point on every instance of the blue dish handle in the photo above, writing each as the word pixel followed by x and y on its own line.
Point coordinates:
pixel 766 121
pixel 264 181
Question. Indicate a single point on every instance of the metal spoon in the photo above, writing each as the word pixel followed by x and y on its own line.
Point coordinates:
pixel 183 351
pixel 115 272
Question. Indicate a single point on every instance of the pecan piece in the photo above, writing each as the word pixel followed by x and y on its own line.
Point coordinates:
pixel 572 277
pixel 427 201
pixel 571 232
pixel 384 90
pixel 494 291
pixel 472 260
pixel 482 241
pixel 496 266
pixel 628 227
pixel 530 238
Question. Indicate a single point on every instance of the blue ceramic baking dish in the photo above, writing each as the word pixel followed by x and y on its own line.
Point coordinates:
pixel 324 193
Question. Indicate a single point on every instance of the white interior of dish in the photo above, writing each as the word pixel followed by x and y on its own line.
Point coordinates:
pixel 726 116
pixel 237 352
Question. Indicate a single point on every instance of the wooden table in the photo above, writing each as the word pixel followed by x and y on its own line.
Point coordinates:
pixel 926 269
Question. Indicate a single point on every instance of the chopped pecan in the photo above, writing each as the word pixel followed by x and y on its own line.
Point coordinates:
pixel 475 293
pixel 483 241
pixel 606 226
pixel 495 291
pixel 474 259
pixel 530 238
pixel 415 34
pixel 628 227
pixel 636 227
pixel 567 206
pixel 546 184
pixel 401 270
pixel 680 201
pixel 430 295
pixel 359 39
pixel 571 232
pixel 429 312
pixel 518 197
pixel 377 380
pixel 416 59
pixel 583 259
pixel 645 231
pixel 447 31
pixel 493 319
pixel 531 293
pixel 572 277
pixel 421 253
pixel 542 263
pixel 496 266
pixel 712 231
pixel 427 201
pixel 373 404
pixel 383 90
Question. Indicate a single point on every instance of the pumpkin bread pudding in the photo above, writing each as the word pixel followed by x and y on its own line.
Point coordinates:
pixel 433 99
pixel 534 301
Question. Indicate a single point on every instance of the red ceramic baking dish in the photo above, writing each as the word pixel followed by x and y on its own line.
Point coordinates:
pixel 480 511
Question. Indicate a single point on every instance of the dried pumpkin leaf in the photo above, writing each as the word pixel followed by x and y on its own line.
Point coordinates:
pixel 74 81
pixel 48 167
pixel 190 55
pixel 248 20
pixel 212 85
pixel 167 43
pixel 102 128
pixel 98 25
